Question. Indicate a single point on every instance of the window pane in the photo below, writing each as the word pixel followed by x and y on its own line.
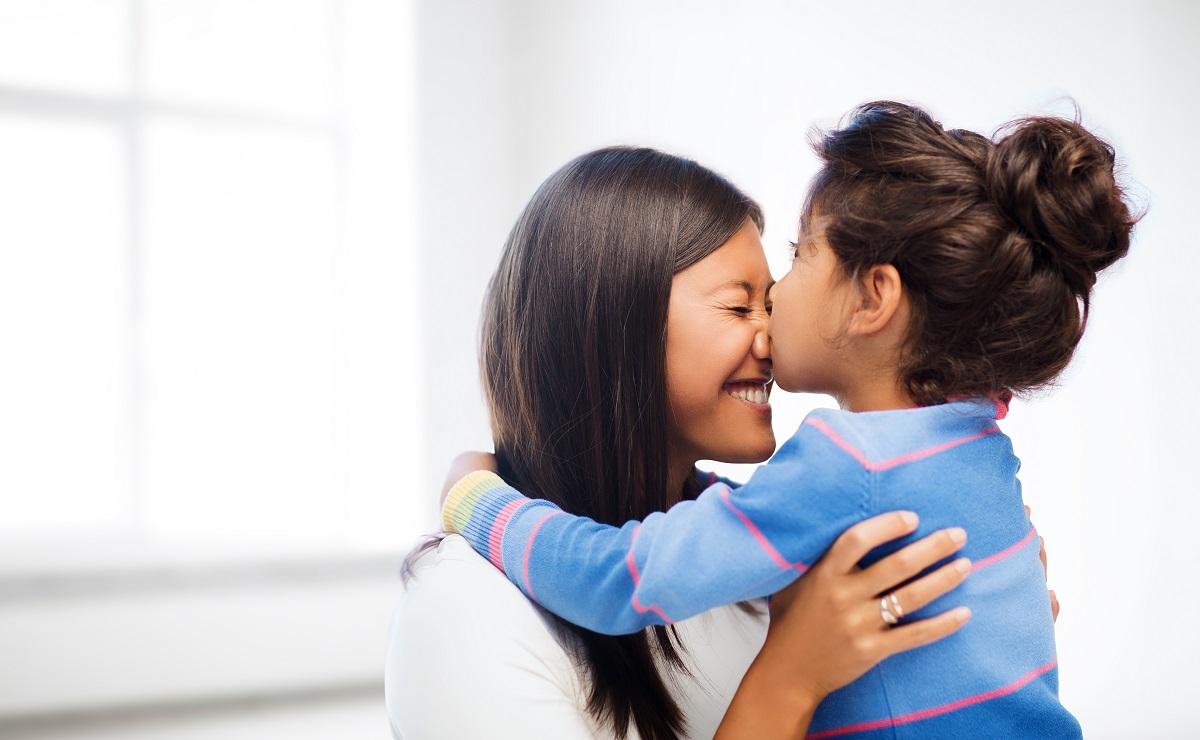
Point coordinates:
pixel 75 45
pixel 272 55
pixel 239 331
pixel 63 327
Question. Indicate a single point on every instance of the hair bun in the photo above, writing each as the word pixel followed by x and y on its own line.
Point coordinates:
pixel 1055 180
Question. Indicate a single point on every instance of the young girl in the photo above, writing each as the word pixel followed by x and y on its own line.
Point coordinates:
pixel 937 272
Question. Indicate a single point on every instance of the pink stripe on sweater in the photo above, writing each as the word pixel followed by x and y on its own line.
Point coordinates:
pixel 631 564
pixel 935 711
pixel 993 559
pixel 496 533
pixel 876 467
pixel 762 540
pixel 529 548
pixel 637 605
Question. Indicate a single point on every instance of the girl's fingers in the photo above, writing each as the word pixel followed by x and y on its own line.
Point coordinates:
pixel 916 634
pixel 912 559
pixel 924 590
pixel 857 541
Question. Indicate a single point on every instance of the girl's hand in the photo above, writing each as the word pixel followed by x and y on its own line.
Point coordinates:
pixel 467 462
pixel 827 630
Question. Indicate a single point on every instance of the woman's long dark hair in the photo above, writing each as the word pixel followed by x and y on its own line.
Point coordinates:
pixel 573 366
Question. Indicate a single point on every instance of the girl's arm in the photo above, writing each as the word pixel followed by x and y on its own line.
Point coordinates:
pixel 826 629
pixel 728 545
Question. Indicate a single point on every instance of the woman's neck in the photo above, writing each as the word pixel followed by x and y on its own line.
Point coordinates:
pixel 679 467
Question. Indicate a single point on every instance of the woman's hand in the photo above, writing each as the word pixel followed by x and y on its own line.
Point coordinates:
pixel 841 602
pixel 1054 607
pixel 467 462
pixel 827 628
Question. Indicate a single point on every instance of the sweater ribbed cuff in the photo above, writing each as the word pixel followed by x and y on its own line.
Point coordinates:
pixel 461 501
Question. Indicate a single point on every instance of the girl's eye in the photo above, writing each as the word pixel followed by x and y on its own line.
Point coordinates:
pixel 740 309
pixel 768 309
pixel 793 248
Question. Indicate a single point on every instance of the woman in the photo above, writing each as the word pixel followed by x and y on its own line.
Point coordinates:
pixel 623 340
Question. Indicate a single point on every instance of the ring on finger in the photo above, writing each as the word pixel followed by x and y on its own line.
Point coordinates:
pixel 890 610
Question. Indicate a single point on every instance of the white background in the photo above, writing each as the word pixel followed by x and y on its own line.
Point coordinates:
pixel 395 143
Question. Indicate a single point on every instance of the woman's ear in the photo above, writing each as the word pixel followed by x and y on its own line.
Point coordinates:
pixel 880 297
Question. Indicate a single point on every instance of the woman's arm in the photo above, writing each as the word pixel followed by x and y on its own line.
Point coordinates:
pixel 827 628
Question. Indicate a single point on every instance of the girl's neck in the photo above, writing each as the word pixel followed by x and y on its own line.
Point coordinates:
pixel 885 393
pixel 870 377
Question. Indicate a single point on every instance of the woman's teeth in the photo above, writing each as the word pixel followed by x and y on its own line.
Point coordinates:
pixel 751 394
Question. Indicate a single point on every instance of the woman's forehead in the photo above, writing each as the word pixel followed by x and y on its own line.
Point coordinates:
pixel 739 264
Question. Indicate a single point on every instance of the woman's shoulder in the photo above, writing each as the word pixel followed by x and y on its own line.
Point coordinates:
pixel 456 595
pixel 470 656
pixel 453 587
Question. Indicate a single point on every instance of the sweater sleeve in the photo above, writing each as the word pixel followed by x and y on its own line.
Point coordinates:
pixel 726 546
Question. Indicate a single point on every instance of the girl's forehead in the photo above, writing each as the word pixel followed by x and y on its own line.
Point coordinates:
pixel 813 223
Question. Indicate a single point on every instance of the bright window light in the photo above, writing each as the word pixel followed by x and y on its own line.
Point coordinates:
pixel 267 55
pixel 238 330
pixel 80 46
pixel 63 325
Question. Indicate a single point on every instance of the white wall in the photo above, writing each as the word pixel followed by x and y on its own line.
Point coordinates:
pixel 512 91
pixel 209 384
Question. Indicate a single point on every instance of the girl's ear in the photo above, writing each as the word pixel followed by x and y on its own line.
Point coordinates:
pixel 880 296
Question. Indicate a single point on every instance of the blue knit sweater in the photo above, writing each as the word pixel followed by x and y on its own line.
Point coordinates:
pixel 997 677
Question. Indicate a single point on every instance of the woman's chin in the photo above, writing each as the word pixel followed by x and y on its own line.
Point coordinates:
pixel 743 454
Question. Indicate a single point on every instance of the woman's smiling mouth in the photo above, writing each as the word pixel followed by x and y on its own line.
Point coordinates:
pixel 755 394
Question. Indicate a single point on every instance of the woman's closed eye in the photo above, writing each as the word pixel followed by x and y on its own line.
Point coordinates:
pixel 746 310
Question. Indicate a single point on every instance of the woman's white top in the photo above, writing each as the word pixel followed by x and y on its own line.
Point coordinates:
pixel 470 657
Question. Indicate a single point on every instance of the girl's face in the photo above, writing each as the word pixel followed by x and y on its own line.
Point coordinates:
pixel 810 307
pixel 718 355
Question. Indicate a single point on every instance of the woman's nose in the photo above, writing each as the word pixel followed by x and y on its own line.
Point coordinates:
pixel 761 348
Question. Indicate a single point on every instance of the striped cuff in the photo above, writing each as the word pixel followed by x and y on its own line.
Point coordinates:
pixel 479 507
pixel 464 496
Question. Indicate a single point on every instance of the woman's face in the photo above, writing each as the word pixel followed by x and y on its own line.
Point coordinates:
pixel 719 357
